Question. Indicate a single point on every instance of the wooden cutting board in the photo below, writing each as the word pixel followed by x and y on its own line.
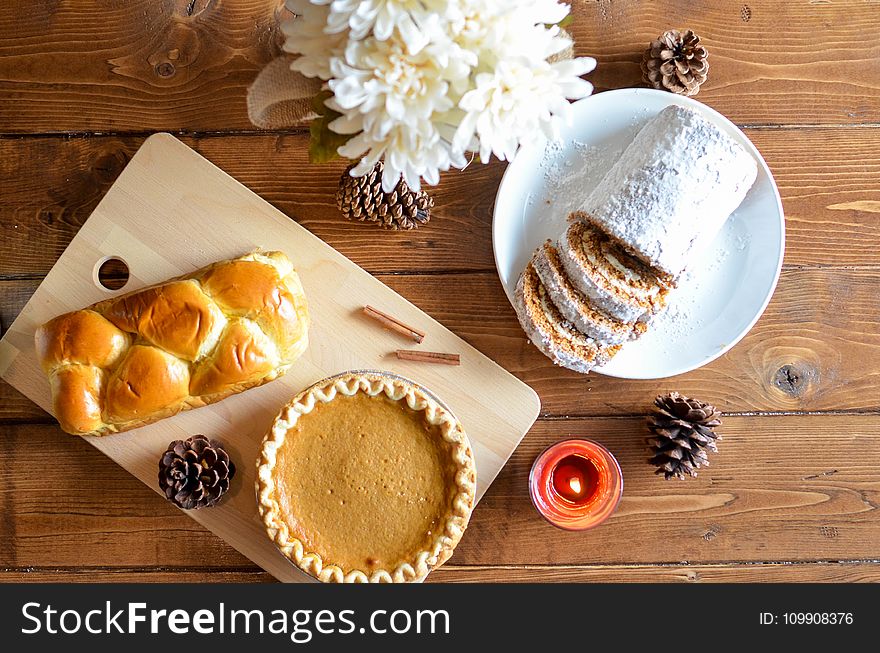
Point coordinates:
pixel 172 211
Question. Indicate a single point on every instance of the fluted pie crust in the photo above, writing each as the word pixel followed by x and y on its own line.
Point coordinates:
pixel 366 477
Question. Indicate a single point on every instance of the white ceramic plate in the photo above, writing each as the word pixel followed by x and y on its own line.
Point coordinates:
pixel 726 287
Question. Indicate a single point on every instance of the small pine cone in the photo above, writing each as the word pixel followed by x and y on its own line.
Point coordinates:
pixel 195 473
pixel 683 434
pixel 362 198
pixel 676 62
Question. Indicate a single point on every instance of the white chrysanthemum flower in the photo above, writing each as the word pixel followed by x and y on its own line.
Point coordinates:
pixel 497 29
pixel 395 102
pixel 520 95
pixel 517 102
pixel 380 18
pixel 420 82
pixel 306 35
pixel 534 12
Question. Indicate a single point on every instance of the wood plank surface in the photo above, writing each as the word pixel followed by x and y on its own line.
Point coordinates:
pixel 792 494
pixel 809 572
pixel 816 348
pixel 821 572
pixel 51 186
pixel 827 178
pixel 147 65
pixel 770 61
pixel 138 65
pixel 786 488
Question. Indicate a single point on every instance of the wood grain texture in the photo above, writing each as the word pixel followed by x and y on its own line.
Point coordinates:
pixel 827 178
pixel 819 572
pixel 780 488
pixel 834 572
pixel 132 66
pixel 807 352
pixel 817 347
pixel 99 512
pixel 135 575
pixel 51 186
pixel 770 61
pixel 788 488
pixel 787 496
pixel 157 65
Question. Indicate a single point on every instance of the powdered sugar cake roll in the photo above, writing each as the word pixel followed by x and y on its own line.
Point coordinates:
pixel 672 188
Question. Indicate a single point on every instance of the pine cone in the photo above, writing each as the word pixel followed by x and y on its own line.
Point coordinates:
pixel 683 433
pixel 195 473
pixel 676 62
pixel 362 198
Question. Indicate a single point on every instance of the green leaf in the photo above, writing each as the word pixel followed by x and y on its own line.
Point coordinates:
pixel 562 24
pixel 324 141
pixel 318 101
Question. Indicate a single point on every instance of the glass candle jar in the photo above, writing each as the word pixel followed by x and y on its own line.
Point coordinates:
pixel 576 484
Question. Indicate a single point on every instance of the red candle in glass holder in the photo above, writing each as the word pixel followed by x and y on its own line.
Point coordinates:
pixel 576 484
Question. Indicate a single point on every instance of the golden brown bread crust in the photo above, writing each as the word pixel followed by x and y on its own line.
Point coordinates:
pixel 249 287
pixel 76 396
pixel 243 354
pixel 149 381
pixel 82 337
pixel 138 358
pixel 177 317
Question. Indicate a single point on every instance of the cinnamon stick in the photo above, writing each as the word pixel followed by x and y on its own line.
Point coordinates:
pixel 428 357
pixel 394 324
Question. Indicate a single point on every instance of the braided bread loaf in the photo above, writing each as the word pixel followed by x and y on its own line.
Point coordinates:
pixel 191 341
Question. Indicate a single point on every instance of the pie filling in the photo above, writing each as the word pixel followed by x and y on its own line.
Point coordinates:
pixel 364 481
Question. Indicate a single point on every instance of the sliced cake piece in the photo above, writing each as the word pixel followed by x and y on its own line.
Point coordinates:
pixel 551 333
pixel 575 306
pixel 617 283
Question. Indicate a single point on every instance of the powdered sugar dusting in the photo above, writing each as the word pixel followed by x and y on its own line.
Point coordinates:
pixel 673 188
pixel 681 317
pixel 570 171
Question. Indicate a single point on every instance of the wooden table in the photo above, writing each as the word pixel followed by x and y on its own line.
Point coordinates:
pixel 793 493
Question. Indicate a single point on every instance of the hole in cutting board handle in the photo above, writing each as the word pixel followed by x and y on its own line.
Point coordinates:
pixel 110 273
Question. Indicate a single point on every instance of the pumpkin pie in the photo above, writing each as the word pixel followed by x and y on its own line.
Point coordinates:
pixel 366 477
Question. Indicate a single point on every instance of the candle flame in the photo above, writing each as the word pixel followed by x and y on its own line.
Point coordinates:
pixel 575 484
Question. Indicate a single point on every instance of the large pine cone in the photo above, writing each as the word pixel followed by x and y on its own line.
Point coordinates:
pixel 683 434
pixel 195 473
pixel 362 198
pixel 676 62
